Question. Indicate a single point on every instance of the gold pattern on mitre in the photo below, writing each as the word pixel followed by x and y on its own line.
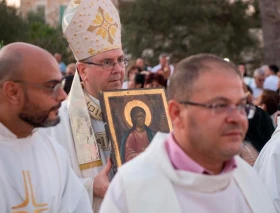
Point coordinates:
pixel 104 26
pixel 96 20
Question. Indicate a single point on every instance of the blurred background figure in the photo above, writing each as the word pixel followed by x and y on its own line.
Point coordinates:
pixel 61 64
pixel 71 69
pixel 70 72
pixel 137 82
pixel 242 68
pixel 154 80
pixel 268 101
pixel 141 64
pixel 164 68
pixel 257 84
pixel 259 132
pixel 132 71
pixel 271 81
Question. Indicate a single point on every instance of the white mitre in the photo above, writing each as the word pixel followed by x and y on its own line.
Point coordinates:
pixel 91 27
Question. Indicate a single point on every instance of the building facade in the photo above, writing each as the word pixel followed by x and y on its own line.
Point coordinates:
pixel 52 10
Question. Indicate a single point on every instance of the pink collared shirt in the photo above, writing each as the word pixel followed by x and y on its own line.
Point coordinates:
pixel 181 161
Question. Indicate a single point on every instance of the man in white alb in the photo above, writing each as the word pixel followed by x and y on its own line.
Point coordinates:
pixel 195 168
pixel 35 172
pixel 93 31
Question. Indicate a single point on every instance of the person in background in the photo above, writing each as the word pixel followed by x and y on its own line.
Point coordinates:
pixel 269 101
pixel 271 81
pixel 35 172
pixel 259 131
pixel 195 168
pixel 61 64
pixel 131 76
pixel 242 68
pixel 71 69
pixel 70 72
pixel 257 84
pixel 141 64
pixel 154 80
pixel 164 68
pixel 137 82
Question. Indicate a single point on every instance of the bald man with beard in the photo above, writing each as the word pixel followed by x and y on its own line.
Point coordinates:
pixel 35 174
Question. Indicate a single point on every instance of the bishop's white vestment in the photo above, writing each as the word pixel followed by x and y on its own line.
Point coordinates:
pixel 36 176
pixel 63 134
pixel 268 167
pixel 149 183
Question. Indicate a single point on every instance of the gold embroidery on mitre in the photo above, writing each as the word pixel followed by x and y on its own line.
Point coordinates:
pixel 77 2
pixel 104 26
pixel 29 197
pixel 91 51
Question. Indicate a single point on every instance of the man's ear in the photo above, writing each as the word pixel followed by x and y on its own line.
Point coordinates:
pixel 175 113
pixel 82 71
pixel 12 92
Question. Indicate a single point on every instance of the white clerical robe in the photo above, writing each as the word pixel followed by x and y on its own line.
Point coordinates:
pixel 36 176
pixel 149 183
pixel 63 134
pixel 268 167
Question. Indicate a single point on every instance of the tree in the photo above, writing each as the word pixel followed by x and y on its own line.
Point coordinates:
pixel 13 28
pixel 187 27
pixel 47 37
pixel 270 20
pixel 33 30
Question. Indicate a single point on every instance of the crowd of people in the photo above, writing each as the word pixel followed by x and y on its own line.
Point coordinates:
pixel 55 156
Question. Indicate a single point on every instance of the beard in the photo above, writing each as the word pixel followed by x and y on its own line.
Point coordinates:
pixel 36 121
pixel 33 114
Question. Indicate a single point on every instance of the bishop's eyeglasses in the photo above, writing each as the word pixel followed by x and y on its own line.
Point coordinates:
pixel 109 64
pixel 52 90
pixel 244 109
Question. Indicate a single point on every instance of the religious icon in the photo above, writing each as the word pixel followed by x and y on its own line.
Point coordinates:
pixel 132 119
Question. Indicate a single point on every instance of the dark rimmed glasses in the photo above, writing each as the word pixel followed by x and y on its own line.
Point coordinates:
pixel 109 64
pixel 245 109
pixel 52 90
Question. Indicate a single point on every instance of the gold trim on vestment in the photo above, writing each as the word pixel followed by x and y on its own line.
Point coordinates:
pixel 86 147
pixel 91 165
pixel 93 109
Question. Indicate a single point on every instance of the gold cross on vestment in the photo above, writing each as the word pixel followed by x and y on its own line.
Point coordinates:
pixel 29 199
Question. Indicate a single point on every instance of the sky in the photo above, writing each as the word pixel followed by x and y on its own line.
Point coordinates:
pixel 13 2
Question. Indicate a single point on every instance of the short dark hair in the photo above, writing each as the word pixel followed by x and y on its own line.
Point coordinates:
pixel 133 68
pixel 155 77
pixel 140 79
pixel 188 71
pixel 271 100
pixel 274 68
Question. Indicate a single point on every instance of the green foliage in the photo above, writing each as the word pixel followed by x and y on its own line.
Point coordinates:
pixel 1 44
pixel 13 28
pixel 47 37
pixel 187 27
pixel 33 30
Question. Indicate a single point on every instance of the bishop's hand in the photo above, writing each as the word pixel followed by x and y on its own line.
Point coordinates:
pixel 101 181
